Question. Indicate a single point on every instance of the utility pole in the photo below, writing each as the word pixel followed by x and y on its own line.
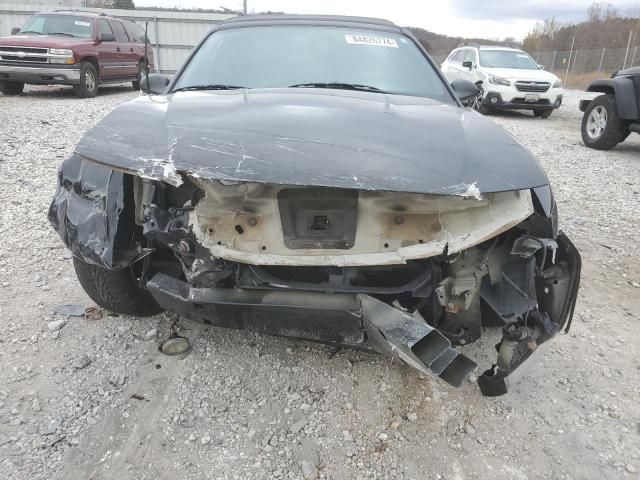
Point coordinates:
pixel 601 59
pixel 626 54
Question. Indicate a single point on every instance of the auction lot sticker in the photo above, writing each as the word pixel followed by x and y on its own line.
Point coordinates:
pixel 371 40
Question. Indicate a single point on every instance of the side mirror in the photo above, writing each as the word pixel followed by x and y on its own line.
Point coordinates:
pixel 154 83
pixel 540 67
pixel 15 30
pixel 467 64
pixel 107 37
pixel 465 90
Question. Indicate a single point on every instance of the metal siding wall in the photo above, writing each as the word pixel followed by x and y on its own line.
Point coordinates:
pixel 177 32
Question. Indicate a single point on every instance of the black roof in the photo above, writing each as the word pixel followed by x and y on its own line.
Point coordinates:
pixel 271 19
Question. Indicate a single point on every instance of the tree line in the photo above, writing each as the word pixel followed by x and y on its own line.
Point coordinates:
pixel 605 27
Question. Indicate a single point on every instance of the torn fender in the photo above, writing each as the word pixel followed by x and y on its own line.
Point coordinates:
pixel 86 211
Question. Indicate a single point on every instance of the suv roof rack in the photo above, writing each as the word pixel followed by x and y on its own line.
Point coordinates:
pixel 71 10
pixel 479 45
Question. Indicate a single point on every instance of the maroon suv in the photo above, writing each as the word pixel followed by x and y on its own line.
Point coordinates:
pixel 82 49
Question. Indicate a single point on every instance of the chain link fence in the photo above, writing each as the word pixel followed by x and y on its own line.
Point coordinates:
pixel 579 66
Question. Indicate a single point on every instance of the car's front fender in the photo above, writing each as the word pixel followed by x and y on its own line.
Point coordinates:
pixel 624 91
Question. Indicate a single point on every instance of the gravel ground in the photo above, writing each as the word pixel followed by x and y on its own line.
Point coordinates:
pixel 95 399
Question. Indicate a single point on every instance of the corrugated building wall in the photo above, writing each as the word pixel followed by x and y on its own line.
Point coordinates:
pixel 172 34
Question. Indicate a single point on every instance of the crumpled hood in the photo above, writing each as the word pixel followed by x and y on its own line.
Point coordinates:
pixel 334 138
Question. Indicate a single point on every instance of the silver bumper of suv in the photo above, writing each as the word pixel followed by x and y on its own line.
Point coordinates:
pixel 40 75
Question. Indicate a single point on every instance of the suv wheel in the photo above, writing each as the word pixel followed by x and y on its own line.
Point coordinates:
pixel 602 127
pixel 88 86
pixel 115 290
pixel 476 103
pixel 11 88
pixel 543 113
pixel 143 69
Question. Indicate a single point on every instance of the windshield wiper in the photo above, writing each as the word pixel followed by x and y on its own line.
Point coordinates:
pixel 32 31
pixel 215 86
pixel 339 86
pixel 62 33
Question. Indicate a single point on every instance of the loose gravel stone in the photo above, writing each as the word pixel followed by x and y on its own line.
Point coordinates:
pixel 82 361
pixel 151 334
pixel 56 325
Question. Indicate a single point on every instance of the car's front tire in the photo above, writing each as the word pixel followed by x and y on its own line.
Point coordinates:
pixel 602 127
pixel 11 88
pixel 543 113
pixel 88 86
pixel 115 290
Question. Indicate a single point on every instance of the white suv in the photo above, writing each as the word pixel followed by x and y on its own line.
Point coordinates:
pixel 508 78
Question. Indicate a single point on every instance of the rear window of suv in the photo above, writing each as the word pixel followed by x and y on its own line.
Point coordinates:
pixel 121 33
pixel 136 32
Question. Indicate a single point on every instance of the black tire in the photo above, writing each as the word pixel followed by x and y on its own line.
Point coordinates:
pixel 476 103
pixel 142 69
pixel 543 113
pixel 116 291
pixel 614 129
pixel 88 86
pixel 11 88
pixel 625 135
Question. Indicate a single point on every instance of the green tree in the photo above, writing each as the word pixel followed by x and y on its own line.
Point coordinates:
pixel 124 4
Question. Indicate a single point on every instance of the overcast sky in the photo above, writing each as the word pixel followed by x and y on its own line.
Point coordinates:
pixel 466 18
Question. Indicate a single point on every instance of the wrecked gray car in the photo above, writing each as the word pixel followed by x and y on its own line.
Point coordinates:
pixel 316 177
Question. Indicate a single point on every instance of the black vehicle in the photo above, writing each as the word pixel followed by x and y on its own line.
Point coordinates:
pixel 611 117
pixel 317 177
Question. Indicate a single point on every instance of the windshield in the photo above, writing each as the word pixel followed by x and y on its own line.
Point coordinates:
pixel 64 25
pixel 507 59
pixel 314 57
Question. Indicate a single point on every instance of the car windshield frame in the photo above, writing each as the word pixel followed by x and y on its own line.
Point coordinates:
pixel 446 95
pixel 31 25
pixel 482 59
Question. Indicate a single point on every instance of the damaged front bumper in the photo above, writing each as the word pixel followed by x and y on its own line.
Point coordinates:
pixel 358 321
pixel 364 322
pixel 408 276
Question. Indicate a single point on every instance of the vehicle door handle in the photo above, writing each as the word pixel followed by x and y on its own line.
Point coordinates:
pixel 131 50
pixel 117 49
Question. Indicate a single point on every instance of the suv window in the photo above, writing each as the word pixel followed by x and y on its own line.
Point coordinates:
pixel 136 32
pixel 470 56
pixel 459 56
pixel 103 27
pixel 121 33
